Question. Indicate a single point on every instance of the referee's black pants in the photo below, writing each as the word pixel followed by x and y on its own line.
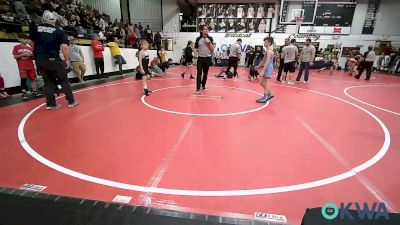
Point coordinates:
pixel 233 62
pixel 203 64
pixel 52 69
pixel 366 66
pixel 281 63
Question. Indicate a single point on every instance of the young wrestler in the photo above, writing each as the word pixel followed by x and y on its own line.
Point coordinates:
pixel 144 65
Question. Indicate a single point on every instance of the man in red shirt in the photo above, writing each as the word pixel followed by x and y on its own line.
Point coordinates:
pixel 23 53
pixel 98 49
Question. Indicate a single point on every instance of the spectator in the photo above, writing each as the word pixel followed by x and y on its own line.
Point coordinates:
pixel 157 41
pixel 100 23
pixel 20 10
pixel 162 55
pixel 72 21
pixel 5 7
pixel 23 53
pixel 137 32
pixel 62 20
pixel 77 59
pixel 140 27
pixel 3 93
pixel 122 33
pixel 250 57
pixel 160 68
pixel 116 53
pixel 306 60
pixel 98 49
pixel 131 37
pixel 149 35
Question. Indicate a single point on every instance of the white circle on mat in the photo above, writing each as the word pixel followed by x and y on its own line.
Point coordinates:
pixel 260 191
pixel 346 92
pixel 205 114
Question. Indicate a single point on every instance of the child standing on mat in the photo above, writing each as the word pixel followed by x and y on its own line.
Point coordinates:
pixel 144 65
pixel 23 53
pixel 267 65
pixel 188 57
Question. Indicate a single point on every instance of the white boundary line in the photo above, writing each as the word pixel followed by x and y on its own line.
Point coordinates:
pixel 369 104
pixel 206 114
pixel 381 153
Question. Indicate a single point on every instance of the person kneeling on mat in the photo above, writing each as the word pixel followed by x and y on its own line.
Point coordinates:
pixel 253 74
pixel 228 74
pixel 160 68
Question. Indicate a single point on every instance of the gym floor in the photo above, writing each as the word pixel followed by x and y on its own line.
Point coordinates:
pixel 335 139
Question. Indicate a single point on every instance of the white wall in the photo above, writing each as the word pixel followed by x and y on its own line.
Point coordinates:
pixel 9 68
pixel 257 39
pixel 110 7
pixel 147 12
pixel 389 21
pixel 125 10
pixel 170 11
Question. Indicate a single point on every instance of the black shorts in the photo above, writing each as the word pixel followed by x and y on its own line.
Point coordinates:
pixel 289 67
pixel 188 61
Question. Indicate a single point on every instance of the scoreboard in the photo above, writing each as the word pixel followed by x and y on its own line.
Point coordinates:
pixel 334 14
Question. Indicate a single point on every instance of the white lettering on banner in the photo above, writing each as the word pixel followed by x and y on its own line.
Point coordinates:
pixel 315 36
pixel 243 48
pixel 150 200
pixel 43 29
pixel 33 187
pixel 270 217
pixel 122 199
pixel 312 30
pixel 238 35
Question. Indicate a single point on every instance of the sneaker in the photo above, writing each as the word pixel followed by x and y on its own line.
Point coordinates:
pixel 269 96
pixel 37 94
pixel 290 82
pixel 24 96
pixel 305 81
pixel 262 100
pixel 73 104
pixel 2 95
pixel 147 92
pixel 197 92
pixel 191 76
pixel 203 88
pixel 53 107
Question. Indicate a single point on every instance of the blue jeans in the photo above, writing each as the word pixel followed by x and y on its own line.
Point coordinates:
pixel 306 67
pixel 120 60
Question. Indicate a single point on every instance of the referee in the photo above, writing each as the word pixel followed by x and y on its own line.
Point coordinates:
pixel 47 41
pixel 204 49
pixel 234 58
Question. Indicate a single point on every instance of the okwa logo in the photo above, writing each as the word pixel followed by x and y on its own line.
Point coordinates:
pixel 331 211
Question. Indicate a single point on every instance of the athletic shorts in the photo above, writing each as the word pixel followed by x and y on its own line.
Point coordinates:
pixel 253 71
pixel 31 74
pixel 188 61
pixel 268 72
pixel 289 67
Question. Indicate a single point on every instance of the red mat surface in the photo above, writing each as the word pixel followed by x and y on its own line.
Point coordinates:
pixel 219 153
